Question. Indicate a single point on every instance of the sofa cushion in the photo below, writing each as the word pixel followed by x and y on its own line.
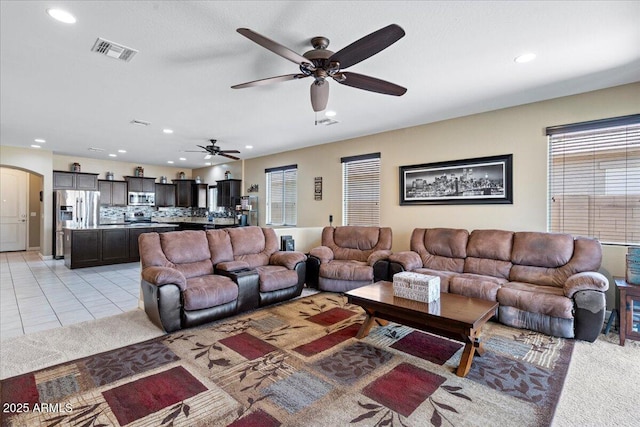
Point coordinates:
pixel 219 246
pixel 539 249
pixel 275 277
pixel 492 244
pixel 487 267
pixel 185 246
pixel 347 270
pixel 476 286
pixel 547 300
pixel 441 248
pixel 253 245
pixel 209 291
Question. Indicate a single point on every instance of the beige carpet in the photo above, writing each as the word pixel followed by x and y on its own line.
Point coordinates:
pixel 598 390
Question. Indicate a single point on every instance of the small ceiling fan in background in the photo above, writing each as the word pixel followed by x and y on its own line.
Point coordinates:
pixel 214 150
pixel 321 63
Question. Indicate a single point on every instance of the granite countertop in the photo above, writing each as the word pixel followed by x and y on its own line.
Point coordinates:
pixel 121 225
pixel 196 220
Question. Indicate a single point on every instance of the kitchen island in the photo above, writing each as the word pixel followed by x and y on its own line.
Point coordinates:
pixel 106 244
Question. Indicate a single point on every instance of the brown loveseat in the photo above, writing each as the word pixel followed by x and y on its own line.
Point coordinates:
pixel 347 257
pixel 546 282
pixel 193 277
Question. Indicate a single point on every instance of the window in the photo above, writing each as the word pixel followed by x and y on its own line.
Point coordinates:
pixel 594 179
pixel 361 190
pixel 282 195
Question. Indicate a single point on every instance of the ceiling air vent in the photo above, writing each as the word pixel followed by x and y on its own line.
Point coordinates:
pixel 139 122
pixel 113 50
pixel 95 149
pixel 326 122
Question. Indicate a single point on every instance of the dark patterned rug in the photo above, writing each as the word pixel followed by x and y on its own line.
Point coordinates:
pixel 298 364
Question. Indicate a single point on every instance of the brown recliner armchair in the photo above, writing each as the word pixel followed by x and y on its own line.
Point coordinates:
pixel 347 258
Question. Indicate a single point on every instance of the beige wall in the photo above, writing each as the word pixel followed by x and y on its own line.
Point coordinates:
pixel 35 211
pixel 518 131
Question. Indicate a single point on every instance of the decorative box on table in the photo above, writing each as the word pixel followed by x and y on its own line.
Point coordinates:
pixel 416 286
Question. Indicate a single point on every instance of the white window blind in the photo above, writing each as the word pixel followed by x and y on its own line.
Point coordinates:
pixel 361 190
pixel 282 193
pixel 594 179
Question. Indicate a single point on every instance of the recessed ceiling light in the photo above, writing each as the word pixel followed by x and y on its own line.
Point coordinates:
pixel 62 16
pixel 167 130
pixel 40 140
pixel 182 158
pixel 113 155
pixel 525 57
pixel 208 164
pixel 330 113
pixel 35 146
pixel 248 147
pixel 122 151
pixel 170 162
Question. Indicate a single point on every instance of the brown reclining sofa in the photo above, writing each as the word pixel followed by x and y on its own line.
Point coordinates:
pixel 546 282
pixel 189 278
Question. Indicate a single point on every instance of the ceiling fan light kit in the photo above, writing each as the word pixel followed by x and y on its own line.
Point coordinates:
pixel 321 63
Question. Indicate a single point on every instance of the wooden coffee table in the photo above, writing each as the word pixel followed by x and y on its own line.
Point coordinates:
pixel 453 316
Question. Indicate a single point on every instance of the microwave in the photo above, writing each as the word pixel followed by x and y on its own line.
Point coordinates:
pixel 142 199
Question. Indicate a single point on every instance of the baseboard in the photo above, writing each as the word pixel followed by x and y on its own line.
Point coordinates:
pixel 34 248
pixel 45 257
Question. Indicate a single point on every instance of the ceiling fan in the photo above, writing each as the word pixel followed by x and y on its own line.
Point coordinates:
pixel 214 150
pixel 321 63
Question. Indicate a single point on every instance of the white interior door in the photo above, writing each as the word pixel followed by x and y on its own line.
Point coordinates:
pixel 13 210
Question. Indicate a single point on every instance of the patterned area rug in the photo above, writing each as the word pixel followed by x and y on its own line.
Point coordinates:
pixel 298 364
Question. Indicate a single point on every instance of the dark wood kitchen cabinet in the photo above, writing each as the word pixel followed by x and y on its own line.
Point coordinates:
pixel 229 192
pixel 115 245
pixel 165 195
pixel 141 185
pixel 184 192
pixel 63 180
pixel 112 193
pixel 82 248
pixel 90 248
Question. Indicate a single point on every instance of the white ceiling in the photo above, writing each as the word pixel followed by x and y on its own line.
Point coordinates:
pixel 456 59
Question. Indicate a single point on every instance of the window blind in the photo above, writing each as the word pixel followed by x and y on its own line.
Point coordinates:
pixel 594 180
pixel 282 195
pixel 361 190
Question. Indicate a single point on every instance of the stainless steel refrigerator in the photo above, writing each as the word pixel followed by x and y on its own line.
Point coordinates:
pixel 73 208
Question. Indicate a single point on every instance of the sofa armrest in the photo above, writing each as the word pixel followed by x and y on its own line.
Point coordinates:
pixel 287 259
pixel 323 253
pixel 586 281
pixel 159 276
pixel 232 266
pixel 377 256
pixel 409 260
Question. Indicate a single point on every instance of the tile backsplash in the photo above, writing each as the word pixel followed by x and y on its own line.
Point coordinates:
pixel 117 213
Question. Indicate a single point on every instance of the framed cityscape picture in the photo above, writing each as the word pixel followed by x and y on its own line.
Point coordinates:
pixel 483 180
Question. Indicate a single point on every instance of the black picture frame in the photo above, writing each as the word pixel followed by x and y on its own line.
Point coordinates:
pixel 481 180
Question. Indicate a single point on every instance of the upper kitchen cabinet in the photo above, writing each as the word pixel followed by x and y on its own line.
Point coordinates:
pixel 189 194
pixel 141 185
pixel 184 193
pixel 112 193
pixel 165 195
pixel 63 180
pixel 229 193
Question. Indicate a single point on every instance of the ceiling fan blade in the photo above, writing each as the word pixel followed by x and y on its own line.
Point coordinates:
pixel 270 80
pixel 367 46
pixel 276 48
pixel 230 156
pixel 228 151
pixel 204 148
pixel 207 157
pixel 371 84
pixel 319 95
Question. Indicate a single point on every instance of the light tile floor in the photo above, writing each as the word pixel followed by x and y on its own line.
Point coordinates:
pixel 37 295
